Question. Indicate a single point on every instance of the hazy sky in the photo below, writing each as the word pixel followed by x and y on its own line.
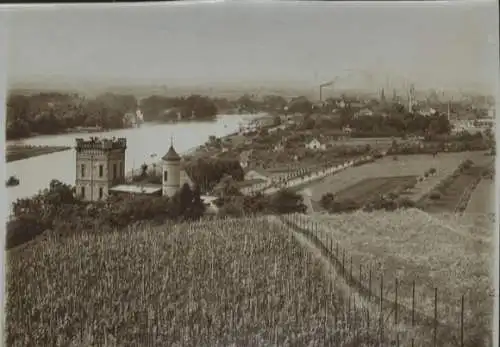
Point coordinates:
pixel 434 45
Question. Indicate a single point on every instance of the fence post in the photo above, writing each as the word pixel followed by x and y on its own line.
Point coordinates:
pixel 350 270
pixel 381 315
pixel 343 261
pixel 360 274
pixel 435 316
pixel 413 304
pixel 396 302
pixel 370 284
pixel 462 323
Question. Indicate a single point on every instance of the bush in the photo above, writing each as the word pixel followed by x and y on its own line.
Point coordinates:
pixel 435 196
pixel 347 205
pixel 286 201
pixel 406 203
pixel 327 200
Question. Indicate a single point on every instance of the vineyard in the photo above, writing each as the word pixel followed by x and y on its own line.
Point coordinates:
pixel 244 282
pixel 250 282
pixel 421 261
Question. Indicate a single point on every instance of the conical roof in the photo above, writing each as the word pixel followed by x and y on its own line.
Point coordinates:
pixel 171 155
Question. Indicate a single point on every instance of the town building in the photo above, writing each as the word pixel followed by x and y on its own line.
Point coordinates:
pixel 100 171
pixel 315 144
pixel 173 176
pixel 100 165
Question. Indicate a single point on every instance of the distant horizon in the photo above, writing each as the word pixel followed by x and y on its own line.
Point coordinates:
pixel 443 46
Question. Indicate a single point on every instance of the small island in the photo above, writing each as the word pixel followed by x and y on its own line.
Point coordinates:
pixel 20 152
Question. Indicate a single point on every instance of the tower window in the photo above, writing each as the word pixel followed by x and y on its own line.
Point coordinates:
pixel 82 192
pixel 82 168
pixel 101 192
pixel 165 175
pixel 115 173
pixel 101 170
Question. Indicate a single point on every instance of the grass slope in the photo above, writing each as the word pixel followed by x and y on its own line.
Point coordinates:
pixel 447 253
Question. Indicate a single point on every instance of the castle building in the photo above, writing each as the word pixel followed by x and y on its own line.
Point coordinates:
pixel 173 174
pixel 100 164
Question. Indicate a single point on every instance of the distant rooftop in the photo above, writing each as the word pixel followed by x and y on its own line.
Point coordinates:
pixel 137 188
pixel 101 143
pixel 171 155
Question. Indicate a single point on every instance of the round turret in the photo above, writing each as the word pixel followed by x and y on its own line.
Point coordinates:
pixel 171 179
pixel 171 155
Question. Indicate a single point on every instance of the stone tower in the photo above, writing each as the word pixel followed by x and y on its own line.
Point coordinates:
pixel 100 164
pixel 171 180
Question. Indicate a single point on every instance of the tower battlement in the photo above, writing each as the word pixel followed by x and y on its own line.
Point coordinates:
pixel 95 143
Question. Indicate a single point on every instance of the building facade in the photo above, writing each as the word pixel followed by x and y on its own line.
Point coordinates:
pixel 100 164
pixel 171 172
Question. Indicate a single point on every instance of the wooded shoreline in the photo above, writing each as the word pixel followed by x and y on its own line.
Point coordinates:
pixel 20 152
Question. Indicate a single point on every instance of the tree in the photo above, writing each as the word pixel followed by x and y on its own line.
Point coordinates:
pixel 144 170
pixel 327 200
pixel 287 201
pixel 300 105
pixel 276 121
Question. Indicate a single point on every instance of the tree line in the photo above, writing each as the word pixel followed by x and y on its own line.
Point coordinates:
pixel 57 210
pixel 53 113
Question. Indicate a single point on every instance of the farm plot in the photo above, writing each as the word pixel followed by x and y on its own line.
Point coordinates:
pixel 240 282
pixel 414 246
pixel 370 188
pixel 410 165
pixel 483 198
pixel 452 195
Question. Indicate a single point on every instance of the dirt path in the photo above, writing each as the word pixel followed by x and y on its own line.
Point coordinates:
pixel 352 289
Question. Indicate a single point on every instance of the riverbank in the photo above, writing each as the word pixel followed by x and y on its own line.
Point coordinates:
pixel 97 129
pixel 20 152
pixel 194 152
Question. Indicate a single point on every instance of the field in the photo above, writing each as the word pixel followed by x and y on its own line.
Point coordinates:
pixel 243 282
pixel 483 198
pixel 451 253
pixel 408 165
pixel 20 152
pixel 455 192
pixel 370 188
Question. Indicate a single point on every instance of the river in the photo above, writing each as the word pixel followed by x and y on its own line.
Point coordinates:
pixel 142 144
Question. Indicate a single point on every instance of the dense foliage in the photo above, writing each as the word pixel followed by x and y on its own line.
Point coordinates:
pixel 164 108
pixel 282 202
pixel 52 113
pixel 57 209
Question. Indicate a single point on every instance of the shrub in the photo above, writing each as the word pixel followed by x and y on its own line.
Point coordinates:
pixel 406 203
pixel 435 196
pixel 347 205
pixel 327 200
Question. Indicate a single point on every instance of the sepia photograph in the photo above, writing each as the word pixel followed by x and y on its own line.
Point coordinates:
pixel 251 174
